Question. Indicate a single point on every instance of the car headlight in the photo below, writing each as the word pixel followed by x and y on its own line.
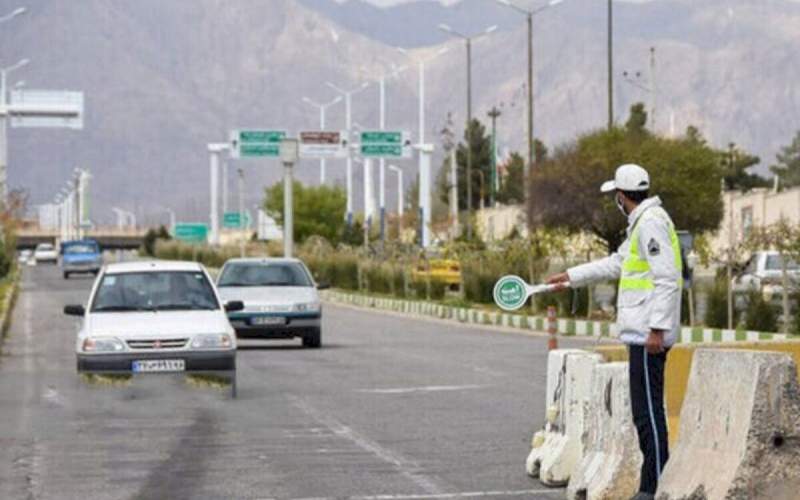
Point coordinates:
pixel 103 344
pixel 212 341
pixel 307 307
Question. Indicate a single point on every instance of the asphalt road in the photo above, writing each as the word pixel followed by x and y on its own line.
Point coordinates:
pixel 390 408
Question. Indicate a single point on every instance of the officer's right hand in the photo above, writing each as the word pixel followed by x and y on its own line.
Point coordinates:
pixel 558 279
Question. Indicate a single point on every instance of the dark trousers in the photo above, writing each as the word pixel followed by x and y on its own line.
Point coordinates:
pixel 647 404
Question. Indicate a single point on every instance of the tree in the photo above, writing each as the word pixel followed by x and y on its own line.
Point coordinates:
pixel 318 210
pixel 481 146
pixel 151 237
pixel 637 121
pixel 685 173
pixel 513 183
pixel 788 166
pixel 735 163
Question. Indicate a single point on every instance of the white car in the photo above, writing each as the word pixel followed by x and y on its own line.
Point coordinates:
pixel 24 256
pixel 45 252
pixel 155 317
pixel 280 299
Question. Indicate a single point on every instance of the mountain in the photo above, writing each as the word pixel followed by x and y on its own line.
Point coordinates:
pixel 163 79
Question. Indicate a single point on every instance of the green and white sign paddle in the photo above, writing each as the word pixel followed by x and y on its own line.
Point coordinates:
pixel 511 292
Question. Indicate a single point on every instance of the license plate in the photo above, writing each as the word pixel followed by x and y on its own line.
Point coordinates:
pixel 159 365
pixel 268 320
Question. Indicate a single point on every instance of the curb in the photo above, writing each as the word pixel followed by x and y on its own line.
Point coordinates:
pixel 567 327
pixel 8 302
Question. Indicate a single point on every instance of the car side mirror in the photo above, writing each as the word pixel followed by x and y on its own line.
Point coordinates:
pixel 234 305
pixel 323 286
pixel 74 310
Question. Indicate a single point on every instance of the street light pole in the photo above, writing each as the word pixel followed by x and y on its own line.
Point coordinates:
pixel 347 94
pixel 215 150
pixel 468 40
pixel 424 185
pixel 322 107
pixel 289 155
pixel 241 211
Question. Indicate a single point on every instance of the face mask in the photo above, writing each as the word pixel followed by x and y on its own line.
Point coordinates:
pixel 621 205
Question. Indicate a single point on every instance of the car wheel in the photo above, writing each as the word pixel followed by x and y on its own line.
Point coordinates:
pixel 66 275
pixel 313 339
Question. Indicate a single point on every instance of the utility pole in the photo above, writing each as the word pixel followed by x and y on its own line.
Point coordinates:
pixel 528 172
pixel 494 113
pixel 610 64
pixel 653 89
pixel 241 212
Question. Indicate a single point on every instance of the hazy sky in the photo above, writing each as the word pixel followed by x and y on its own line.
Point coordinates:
pixel 383 3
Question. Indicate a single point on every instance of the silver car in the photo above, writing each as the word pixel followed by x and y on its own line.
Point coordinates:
pixel 280 299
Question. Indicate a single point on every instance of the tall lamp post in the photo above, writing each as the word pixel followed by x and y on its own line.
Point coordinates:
pixel 11 15
pixel 468 39
pixel 322 107
pixel 347 94
pixel 382 161
pixel 529 13
pixel 425 185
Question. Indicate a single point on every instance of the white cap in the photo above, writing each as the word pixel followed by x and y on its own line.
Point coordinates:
pixel 629 177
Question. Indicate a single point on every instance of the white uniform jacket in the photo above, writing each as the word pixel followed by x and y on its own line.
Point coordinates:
pixel 658 307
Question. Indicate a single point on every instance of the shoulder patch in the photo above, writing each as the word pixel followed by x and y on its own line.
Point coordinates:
pixel 653 247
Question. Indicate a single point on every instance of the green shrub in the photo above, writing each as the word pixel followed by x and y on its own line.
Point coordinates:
pixel 760 315
pixel 717 305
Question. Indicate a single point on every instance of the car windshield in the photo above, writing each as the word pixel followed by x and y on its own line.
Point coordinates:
pixel 81 248
pixel 44 247
pixel 775 262
pixel 154 291
pixel 265 274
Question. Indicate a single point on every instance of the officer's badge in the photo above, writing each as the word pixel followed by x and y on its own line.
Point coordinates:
pixel 653 248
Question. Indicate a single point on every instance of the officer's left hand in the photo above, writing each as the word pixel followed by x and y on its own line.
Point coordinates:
pixel 655 342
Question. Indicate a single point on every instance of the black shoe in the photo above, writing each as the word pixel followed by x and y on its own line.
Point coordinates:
pixel 643 496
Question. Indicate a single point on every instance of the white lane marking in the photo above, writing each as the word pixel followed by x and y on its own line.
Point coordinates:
pixel 467 494
pixel 52 397
pixel 427 388
pixel 488 371
pixel 403 465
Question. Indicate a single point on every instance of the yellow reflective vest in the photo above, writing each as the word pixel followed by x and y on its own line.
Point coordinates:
pixel 649 268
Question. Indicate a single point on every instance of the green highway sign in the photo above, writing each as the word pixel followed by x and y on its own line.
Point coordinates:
pixel 191 232
pixel 510 293
pixel 382 137
pixel 385 144
pixel 255 143
pixel 391 150
pixel 233 220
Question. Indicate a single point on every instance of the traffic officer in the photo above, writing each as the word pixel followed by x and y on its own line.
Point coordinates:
pixel 649 268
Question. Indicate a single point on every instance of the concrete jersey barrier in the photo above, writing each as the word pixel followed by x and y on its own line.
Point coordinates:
pixel 610 468
pixel 565 450
pixel 543 440
pixel 739 429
